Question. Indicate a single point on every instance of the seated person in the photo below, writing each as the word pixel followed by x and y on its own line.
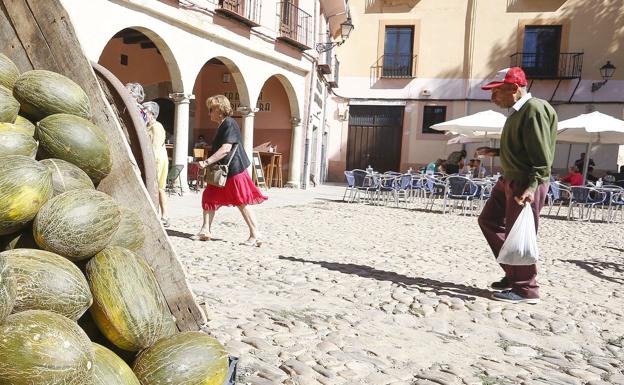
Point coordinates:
pixel 590 175
pixel 455 161
pixel 619 175
pixel 433 166
pixel 580 163
pixel 442 168
pixel 574 178
pixel 201 142
pixel 478 171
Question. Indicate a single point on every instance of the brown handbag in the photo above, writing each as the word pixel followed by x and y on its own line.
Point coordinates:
pixel 216 174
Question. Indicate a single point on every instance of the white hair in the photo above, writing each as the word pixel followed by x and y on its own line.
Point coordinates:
pixel 152 108
pixel 136 90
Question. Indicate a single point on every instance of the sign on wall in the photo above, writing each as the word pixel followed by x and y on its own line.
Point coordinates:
pixel 261 105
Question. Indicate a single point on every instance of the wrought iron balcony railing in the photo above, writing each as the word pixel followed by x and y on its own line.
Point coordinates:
pixel 245 11
pixel 555 66
pixel 395 66
pixel 294 25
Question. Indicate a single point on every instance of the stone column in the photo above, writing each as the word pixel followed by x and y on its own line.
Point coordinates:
pixel 294 167
pixel 248 130
pixel 181 133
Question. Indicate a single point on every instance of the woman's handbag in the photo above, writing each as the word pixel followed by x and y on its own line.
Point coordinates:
pixel 216 174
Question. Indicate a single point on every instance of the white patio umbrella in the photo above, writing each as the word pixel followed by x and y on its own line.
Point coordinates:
pixel 486 121
pixel 475 137
pixel 592 128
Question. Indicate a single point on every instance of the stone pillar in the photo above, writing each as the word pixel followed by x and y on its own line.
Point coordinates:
pixel 294 167
pixel 181 133
pixel 248 130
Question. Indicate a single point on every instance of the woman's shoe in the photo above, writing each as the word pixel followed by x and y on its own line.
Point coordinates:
pixel 252 242
pixel 201 237
pixel 165 222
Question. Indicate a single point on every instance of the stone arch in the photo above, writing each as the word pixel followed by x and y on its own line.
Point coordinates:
pixel 293 100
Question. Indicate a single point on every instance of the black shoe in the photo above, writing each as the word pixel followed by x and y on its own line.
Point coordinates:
pixel 503 284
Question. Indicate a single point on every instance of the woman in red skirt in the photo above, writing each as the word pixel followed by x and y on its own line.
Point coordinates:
pixel 239 190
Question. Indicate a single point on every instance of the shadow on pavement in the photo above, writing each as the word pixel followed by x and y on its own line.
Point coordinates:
pixel 598 269
pixel 179 234
pixel 423 284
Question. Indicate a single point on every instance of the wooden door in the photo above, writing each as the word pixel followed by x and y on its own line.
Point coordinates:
pixel 375 137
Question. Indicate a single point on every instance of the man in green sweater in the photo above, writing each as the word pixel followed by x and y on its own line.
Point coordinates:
pixel 527 149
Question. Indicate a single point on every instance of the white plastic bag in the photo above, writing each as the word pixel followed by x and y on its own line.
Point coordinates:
pixel 520 247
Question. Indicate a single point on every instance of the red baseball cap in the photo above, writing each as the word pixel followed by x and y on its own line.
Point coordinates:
pixel 513 75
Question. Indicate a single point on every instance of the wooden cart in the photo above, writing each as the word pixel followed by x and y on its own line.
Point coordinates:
pixel 38 34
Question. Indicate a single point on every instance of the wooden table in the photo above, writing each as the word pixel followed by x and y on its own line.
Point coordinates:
pixel 273 168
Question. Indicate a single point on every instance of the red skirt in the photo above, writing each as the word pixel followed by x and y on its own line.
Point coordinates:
pixel 238 190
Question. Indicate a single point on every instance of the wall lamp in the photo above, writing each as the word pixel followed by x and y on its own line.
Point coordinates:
pixel 345 30
pixel 606 71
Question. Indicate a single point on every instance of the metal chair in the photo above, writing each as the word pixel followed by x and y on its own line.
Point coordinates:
pixel 434 188
pixel 174 181
pixel 350 184
pixel 460 189
pixel 558 193
pixel 585 198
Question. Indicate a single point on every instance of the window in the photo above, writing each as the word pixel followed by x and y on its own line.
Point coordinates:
pixel 540 55
pixel 398 55
pixel 433 115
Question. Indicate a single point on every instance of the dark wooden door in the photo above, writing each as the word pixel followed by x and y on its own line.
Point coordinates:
pixel 375 137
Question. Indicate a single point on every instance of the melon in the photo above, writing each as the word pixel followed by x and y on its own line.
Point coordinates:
pixel 25 185
pixel 47 281
pixel 8 72
pixel 66 176
pixel 7 290
pixel 14 127
pixel 77 141
pixel 42 93
pixel 76 224
pixel 127 303
pixel 24 125
pixel 188 358
pixel 9 106
pixel 16 143
pixel 41 347
pixel 109 369
pixel 130 233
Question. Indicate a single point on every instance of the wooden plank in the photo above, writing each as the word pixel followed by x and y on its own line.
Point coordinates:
pixel 48 39
pixel 10 44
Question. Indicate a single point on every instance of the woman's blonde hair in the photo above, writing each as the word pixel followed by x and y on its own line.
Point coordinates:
pixel 221 103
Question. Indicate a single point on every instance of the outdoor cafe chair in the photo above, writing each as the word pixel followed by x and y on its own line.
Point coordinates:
pixel 362 183
pixel 418 186
pixel 460 189
pixel 616 204
pixel 386 188
pixel 350 185
pixel 585 200
pixel 403 186
pixel 434 188
pixel 558 194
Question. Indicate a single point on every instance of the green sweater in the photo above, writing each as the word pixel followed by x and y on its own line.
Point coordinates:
pixel 527 146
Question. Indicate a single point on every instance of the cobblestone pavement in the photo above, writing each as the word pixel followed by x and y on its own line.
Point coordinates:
pixel 357 294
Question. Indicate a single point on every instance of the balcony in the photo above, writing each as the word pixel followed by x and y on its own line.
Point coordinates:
pixel 394 66
pixel 332 79
pixel 294 26
pixel 549 66
pixel 244 11
pixel 325 62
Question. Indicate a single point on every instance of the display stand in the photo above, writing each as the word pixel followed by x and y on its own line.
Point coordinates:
pixel 257 170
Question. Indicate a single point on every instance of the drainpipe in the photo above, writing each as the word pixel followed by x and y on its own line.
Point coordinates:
pixel 306 149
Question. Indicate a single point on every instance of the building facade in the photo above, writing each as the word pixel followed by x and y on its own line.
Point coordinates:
pixel 259 53
pixel 414 63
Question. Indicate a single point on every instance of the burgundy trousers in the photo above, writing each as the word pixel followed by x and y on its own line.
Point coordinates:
pixel 497 218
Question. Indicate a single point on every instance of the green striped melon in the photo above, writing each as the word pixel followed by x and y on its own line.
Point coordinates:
pixel 44 348
pixel 7 290
pixel 8 72
pixel 67 176
pixel 127 303
pixel 77 141
pixel 9 106
pixel 188 358
pixel 131 233
pixel 18 126
pixel 16 143
pixel 76 224
pixel 109 369
pixel 25 185
pixel 42 93
pixel 47 281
